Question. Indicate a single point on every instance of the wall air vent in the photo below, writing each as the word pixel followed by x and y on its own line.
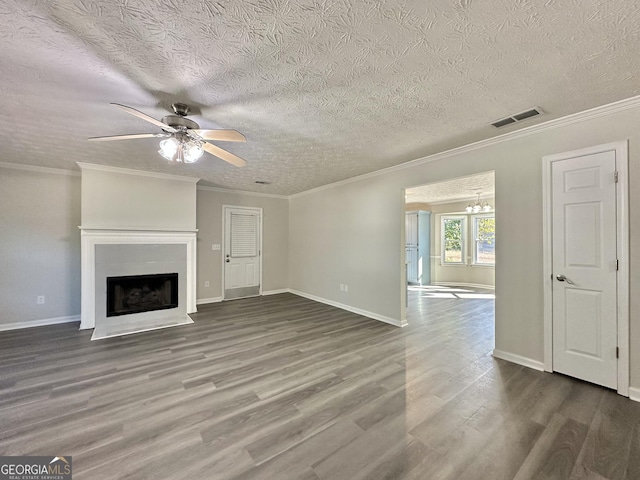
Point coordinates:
pixel 518 117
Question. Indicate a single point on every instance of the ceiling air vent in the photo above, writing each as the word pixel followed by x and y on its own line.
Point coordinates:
pixel 518 117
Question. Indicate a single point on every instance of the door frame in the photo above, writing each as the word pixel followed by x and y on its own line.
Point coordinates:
pixel 622 248
pixel 224 243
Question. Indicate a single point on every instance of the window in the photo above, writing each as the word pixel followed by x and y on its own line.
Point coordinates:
pixel 453 233
pixel 484 233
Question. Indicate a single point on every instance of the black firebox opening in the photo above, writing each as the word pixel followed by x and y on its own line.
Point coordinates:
pixel 141 293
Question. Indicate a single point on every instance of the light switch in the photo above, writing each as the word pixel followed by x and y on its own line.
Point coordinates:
pixel 215 246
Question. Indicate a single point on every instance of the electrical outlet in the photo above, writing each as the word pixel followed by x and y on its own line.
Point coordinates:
pixel 342 287
pixel 206 284
pixel 346 287
pixel 40 299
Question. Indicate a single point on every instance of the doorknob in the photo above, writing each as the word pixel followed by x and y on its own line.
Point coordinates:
pixel 562 278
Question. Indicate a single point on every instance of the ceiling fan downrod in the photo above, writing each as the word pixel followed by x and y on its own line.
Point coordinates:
pixel 181 109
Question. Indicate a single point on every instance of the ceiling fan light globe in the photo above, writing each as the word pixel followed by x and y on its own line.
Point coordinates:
pixel 164 155
pixel 169 147
pixel 469 209
pixel 486 208
pixel 191 149
pixel 191 153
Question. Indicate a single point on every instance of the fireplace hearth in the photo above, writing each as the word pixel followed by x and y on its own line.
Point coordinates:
pixel 141 293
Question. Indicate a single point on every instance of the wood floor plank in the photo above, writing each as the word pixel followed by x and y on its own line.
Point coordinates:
pixel 281 387
pixel 363 453
pixel 608 443
pixel 633 467
pixel 555 453
pixel 293 463
pixel 451 456
pixel 505 450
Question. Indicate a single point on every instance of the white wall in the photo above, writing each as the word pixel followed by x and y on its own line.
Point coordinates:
pixel 352 232
pixel 129 199
pixel 40 239
pixel 39 246
pixel 275 242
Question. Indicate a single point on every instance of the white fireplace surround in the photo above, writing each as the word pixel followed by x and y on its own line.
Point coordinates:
pixel 90 237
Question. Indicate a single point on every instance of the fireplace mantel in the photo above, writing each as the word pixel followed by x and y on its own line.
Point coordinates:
pixel 92 236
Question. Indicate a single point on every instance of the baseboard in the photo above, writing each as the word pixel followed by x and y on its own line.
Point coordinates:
pixel 520 360
pixel 39 323
pixel 349 308
pixel 275 292
pixel 470 285
pixel 179 322
pixel 203 301
pixel 634 394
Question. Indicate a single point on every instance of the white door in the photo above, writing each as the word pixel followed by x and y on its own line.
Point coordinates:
pixel 242 252
pixel 584 268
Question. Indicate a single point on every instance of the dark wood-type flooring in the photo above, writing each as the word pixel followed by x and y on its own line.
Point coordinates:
pixel 281 387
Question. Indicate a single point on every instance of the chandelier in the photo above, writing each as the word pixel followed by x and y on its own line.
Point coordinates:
pixel 479 206
pixel 181 148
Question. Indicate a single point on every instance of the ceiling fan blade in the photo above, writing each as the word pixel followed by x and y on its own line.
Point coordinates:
pixel 126 137
pixel 144 116
pixel 221 135
pixel 224 155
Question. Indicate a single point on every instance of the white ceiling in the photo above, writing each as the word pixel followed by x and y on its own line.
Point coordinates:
pixel 457 189
pixel 323 89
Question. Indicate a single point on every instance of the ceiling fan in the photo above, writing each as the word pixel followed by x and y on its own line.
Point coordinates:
pixel 184 141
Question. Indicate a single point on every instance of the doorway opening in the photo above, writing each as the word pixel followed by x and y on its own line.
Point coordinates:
pixel 450 253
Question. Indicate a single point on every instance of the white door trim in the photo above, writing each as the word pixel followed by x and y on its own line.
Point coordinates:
pixel 622 247
pixel 224 240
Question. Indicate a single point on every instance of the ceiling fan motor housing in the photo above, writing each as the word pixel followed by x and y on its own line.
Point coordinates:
pixel 179 122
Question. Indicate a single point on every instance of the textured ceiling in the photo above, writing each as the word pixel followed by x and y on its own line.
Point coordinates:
pixel 463 188
pixel 323 89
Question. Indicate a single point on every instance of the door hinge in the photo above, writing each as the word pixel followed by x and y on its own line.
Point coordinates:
pixel 615 177
pixel 617 264
pixel 617 352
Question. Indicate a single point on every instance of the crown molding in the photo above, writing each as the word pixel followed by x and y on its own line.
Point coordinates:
pixel 141 173
pixel 125 230
pixel 241 192
pixel 35 168
pixel 603 110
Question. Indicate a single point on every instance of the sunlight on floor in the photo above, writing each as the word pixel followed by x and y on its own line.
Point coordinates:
pixel 439 291
pixel 475 295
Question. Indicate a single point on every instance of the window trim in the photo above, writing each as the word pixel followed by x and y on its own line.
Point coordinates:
pixel 474 217
pixel 463 240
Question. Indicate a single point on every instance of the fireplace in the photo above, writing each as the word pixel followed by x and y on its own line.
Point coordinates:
pixel 123 253
pixel 141 293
